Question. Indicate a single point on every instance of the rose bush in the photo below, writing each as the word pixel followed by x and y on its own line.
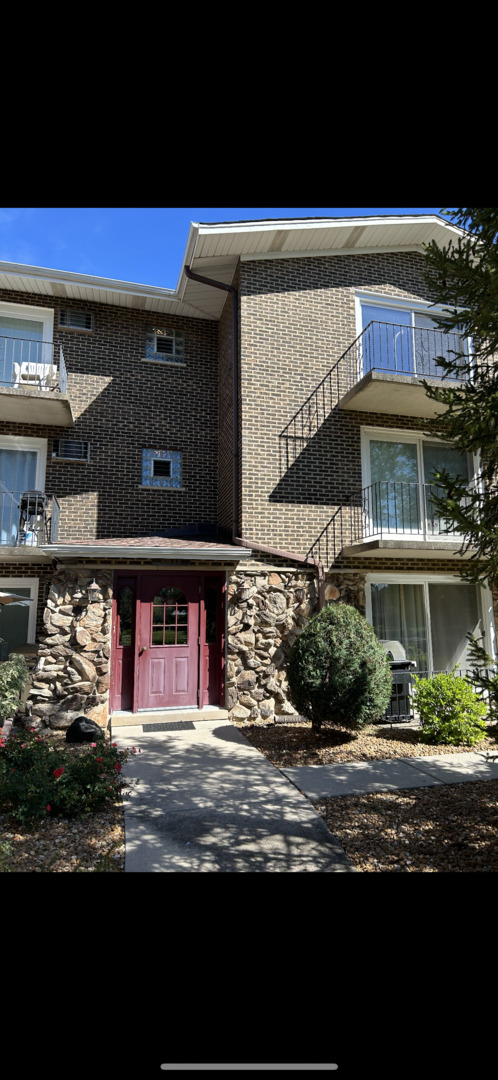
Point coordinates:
pixel 38 777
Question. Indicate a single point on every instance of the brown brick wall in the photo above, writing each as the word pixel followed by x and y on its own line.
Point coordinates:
pixel 123 404
pixel 226 420
pixel 297 320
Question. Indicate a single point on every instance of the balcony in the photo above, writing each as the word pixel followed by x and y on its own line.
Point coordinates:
pixel 33 383
pixel 28 520
pixel 382 370
pixel 393 519
pixel 397 516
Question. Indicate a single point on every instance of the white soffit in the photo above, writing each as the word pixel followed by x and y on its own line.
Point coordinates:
pixel 213 250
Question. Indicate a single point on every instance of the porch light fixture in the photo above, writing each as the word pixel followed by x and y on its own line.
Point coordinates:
pixel 92 591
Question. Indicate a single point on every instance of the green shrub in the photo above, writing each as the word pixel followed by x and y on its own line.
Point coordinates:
pixel 39 778
pixel 13 676
pixel 338 671
pixel 449 710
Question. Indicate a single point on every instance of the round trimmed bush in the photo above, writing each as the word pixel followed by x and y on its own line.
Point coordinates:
pixel 338 671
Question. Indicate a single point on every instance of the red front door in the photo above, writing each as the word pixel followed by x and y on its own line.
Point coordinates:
pixel 168 642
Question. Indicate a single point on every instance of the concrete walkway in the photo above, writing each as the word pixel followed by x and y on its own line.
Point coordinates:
pixel 208 802
pixel 362 777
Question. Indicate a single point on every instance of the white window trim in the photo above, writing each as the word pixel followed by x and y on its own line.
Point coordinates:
pixel 25 311
pixel 21 442
pixel 416 439
pixel 398 303
pixel 10 584
pixel 484 600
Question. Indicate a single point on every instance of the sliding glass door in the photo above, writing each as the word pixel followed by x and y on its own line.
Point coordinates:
pixel 400 485
pixel 429 618
pixel 404 340
pixel 22 468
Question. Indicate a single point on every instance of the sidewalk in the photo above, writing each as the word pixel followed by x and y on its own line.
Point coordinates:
pixel 208 802
pixel 363 777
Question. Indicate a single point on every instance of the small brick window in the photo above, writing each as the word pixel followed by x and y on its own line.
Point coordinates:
pixel 164 344
pixel 162 468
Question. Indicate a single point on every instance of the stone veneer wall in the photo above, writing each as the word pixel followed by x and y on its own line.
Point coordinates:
pixel 72 674
pixel 267 610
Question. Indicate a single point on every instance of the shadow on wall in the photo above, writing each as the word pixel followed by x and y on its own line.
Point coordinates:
pixel 324 469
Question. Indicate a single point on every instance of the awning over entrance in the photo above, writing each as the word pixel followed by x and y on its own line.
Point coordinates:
pixel 143 547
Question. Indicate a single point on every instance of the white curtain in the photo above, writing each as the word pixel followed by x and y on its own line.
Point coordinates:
pixel 398 614
pixel 17 474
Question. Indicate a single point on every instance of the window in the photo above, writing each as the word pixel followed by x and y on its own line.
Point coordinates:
pixel 25 339
pixel 164 344
pixel 162 469
pixel 399 485
pixel 76 320
pixel 71 450
pixel 22 468
pixel 18 621
pixel 429 617
pixel 169 618
pixel 402 337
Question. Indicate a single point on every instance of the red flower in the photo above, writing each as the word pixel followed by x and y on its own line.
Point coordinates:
pixel 48 807
pixel 118 766
pixel 58 772
pixel 99 759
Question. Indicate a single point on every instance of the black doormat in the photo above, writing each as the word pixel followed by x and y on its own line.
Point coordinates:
pixel 174 725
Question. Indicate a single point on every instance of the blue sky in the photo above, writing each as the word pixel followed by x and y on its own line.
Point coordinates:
pixel 140 244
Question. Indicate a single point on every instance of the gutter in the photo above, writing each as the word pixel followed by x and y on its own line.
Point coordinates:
pixel 238 540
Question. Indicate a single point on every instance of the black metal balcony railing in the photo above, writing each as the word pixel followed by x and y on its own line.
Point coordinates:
pixel 403 350
pixel 36 365
pixel 385 510
pixel 28 519
pixel 388 348
pixel 393 507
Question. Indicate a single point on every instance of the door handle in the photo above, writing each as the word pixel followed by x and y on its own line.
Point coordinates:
pixel 143 649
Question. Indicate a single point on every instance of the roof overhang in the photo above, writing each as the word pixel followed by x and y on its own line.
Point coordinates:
pixel 214 250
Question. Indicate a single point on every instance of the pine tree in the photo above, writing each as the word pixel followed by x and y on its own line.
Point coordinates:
pixel 463 278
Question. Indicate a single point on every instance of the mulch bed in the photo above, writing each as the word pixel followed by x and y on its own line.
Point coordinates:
pixel 442 829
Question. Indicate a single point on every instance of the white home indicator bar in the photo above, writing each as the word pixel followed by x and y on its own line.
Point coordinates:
pixel 302 1068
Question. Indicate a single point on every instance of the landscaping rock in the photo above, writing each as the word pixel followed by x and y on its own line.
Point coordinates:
pixel 84 730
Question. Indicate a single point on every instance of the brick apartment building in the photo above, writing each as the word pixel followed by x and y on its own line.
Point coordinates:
pixel 187 475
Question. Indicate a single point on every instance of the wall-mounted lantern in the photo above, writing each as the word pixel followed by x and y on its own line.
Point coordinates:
pixel 93 591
